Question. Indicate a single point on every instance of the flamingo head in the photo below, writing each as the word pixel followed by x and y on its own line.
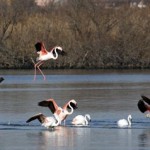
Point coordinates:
pixel 88 116
pixel 60 51
pixel 73 104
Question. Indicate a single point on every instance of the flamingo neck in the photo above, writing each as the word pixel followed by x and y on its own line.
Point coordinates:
pixel 57 122
pixel 69 113
pixel 129 121
pixel 86 120
pixel 55 57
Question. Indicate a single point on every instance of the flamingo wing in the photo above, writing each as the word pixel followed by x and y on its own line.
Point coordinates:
pixel 146 99
pixel 40 47
pixel 1 79
pixel 51 104
pixel 143 107
pixel 40 117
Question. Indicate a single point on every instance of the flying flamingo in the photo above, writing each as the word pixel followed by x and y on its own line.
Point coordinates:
pixel 144 105
pixel 45 55
pixel 59 112
pixel 48 122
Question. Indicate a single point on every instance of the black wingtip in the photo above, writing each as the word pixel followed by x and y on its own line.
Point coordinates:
pixel 146 99
pixel 63 53
pixel 44 103
pixel 1 79
pixel 141 106
pixel 38 46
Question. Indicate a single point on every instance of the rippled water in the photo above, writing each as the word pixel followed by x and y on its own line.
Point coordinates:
pixel 106 95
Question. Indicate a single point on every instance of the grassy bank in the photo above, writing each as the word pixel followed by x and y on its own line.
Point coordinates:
pixel 93 36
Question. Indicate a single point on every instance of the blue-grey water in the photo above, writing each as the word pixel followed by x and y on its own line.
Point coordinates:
pixel 107 95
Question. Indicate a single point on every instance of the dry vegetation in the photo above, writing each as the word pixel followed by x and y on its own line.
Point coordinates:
pixel 93 36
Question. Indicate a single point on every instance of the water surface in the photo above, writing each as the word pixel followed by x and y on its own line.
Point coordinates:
pixel 106 95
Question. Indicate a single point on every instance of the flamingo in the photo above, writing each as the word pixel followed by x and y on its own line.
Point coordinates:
pixel 80 120
pixel 45 55
pixel 1 79
pixel 48 122
pixel 59 112
pixel 144 105
pixel 124 122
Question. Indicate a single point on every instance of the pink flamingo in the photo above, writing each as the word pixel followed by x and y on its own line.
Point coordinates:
pixel 45 55
pixel 60 112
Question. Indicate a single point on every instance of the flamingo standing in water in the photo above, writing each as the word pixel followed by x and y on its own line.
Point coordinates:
pixel 59 112
pixel 48 122
pixel 125 123
pixel 81 120
pixel 45 55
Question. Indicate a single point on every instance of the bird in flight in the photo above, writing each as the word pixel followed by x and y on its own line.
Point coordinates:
pixel 144 104
pixel 45 55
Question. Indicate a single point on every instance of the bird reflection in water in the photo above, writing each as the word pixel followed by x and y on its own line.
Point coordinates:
pixel 61 138
pixel 144 138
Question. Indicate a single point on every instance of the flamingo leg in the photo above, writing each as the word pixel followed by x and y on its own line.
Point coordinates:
pixel 38 66
pixel 64 122
pixel 34 68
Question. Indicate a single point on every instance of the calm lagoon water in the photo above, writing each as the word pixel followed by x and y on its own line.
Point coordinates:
pixel 107 96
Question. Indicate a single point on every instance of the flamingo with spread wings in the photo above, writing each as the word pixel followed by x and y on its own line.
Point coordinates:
pixel 48 122
pixel 59 112
pixel 45 55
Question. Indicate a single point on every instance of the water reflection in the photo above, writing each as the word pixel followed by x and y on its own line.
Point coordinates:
pixel 62 137
pixel 144 139
pixel 106 96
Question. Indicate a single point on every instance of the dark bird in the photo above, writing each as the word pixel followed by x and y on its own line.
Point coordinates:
pixel 45 55
pixel 144 104
pixel 1 79
pixel 60 112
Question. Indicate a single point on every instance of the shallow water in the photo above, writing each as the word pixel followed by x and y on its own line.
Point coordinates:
pixel 106 95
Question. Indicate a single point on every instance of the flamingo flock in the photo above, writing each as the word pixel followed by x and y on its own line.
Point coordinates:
pixel 59 114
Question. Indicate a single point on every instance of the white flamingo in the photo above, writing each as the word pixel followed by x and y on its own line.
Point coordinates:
pixel 81 120
pixel 48 122
pixel 45 55
pixel 59 112
pixel 124 122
